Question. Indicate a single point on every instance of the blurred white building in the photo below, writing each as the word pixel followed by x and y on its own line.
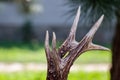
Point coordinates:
pixel 43 12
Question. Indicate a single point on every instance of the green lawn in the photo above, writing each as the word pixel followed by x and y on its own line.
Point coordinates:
pixel 35 53
pixel 20 52
pixel 16 54
pixel 28 75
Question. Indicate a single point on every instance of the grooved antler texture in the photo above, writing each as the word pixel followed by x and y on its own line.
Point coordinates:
pixel 59 62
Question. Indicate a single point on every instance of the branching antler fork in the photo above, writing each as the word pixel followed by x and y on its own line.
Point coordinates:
pixel 59 62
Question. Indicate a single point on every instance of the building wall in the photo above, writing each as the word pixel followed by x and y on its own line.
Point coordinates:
pixel 52 18
pixel 104 35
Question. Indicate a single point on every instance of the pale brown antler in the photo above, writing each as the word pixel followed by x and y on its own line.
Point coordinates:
pixel 59 62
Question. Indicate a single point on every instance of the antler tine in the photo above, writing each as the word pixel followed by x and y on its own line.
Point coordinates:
pixel 47 47
pixel 97 47
pixel 89 36
pixel 75 23
pixel 87 40
pixel 47 40
pixel 67 45
pixel 95 27
pixel 54 41
pixel 54 51
pixel 86 43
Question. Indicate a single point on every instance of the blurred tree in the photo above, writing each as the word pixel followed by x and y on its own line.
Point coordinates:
pixel 27 28
pixel 91 10
pixel 27 32
pixel 28 7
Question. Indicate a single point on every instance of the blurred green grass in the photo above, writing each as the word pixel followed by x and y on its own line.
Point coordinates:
pixel 32 75
pixel 25 54
pixel 34 52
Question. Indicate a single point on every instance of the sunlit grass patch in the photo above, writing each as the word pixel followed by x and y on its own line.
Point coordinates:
pixel 24 55
pixel 32 75
pixel 89 76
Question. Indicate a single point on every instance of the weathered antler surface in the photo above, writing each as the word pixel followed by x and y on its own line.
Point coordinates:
pixel 59 61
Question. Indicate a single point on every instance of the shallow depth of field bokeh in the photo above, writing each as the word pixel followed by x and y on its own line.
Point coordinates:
pixel 22 31
pixel 30 53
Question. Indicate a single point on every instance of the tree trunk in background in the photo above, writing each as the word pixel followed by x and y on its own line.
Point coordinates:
pixel 27 31
pixel 115 70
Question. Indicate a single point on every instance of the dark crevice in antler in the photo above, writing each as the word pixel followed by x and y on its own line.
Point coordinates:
pixel 60 61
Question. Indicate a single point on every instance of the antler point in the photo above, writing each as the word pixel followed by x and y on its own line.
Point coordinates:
pixel 54 40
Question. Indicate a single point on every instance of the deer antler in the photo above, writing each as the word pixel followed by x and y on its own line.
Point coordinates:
pixel 58 63
pixel 70 42
pixel 85 44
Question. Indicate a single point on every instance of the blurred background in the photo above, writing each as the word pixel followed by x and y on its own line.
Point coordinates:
pixel 23 24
